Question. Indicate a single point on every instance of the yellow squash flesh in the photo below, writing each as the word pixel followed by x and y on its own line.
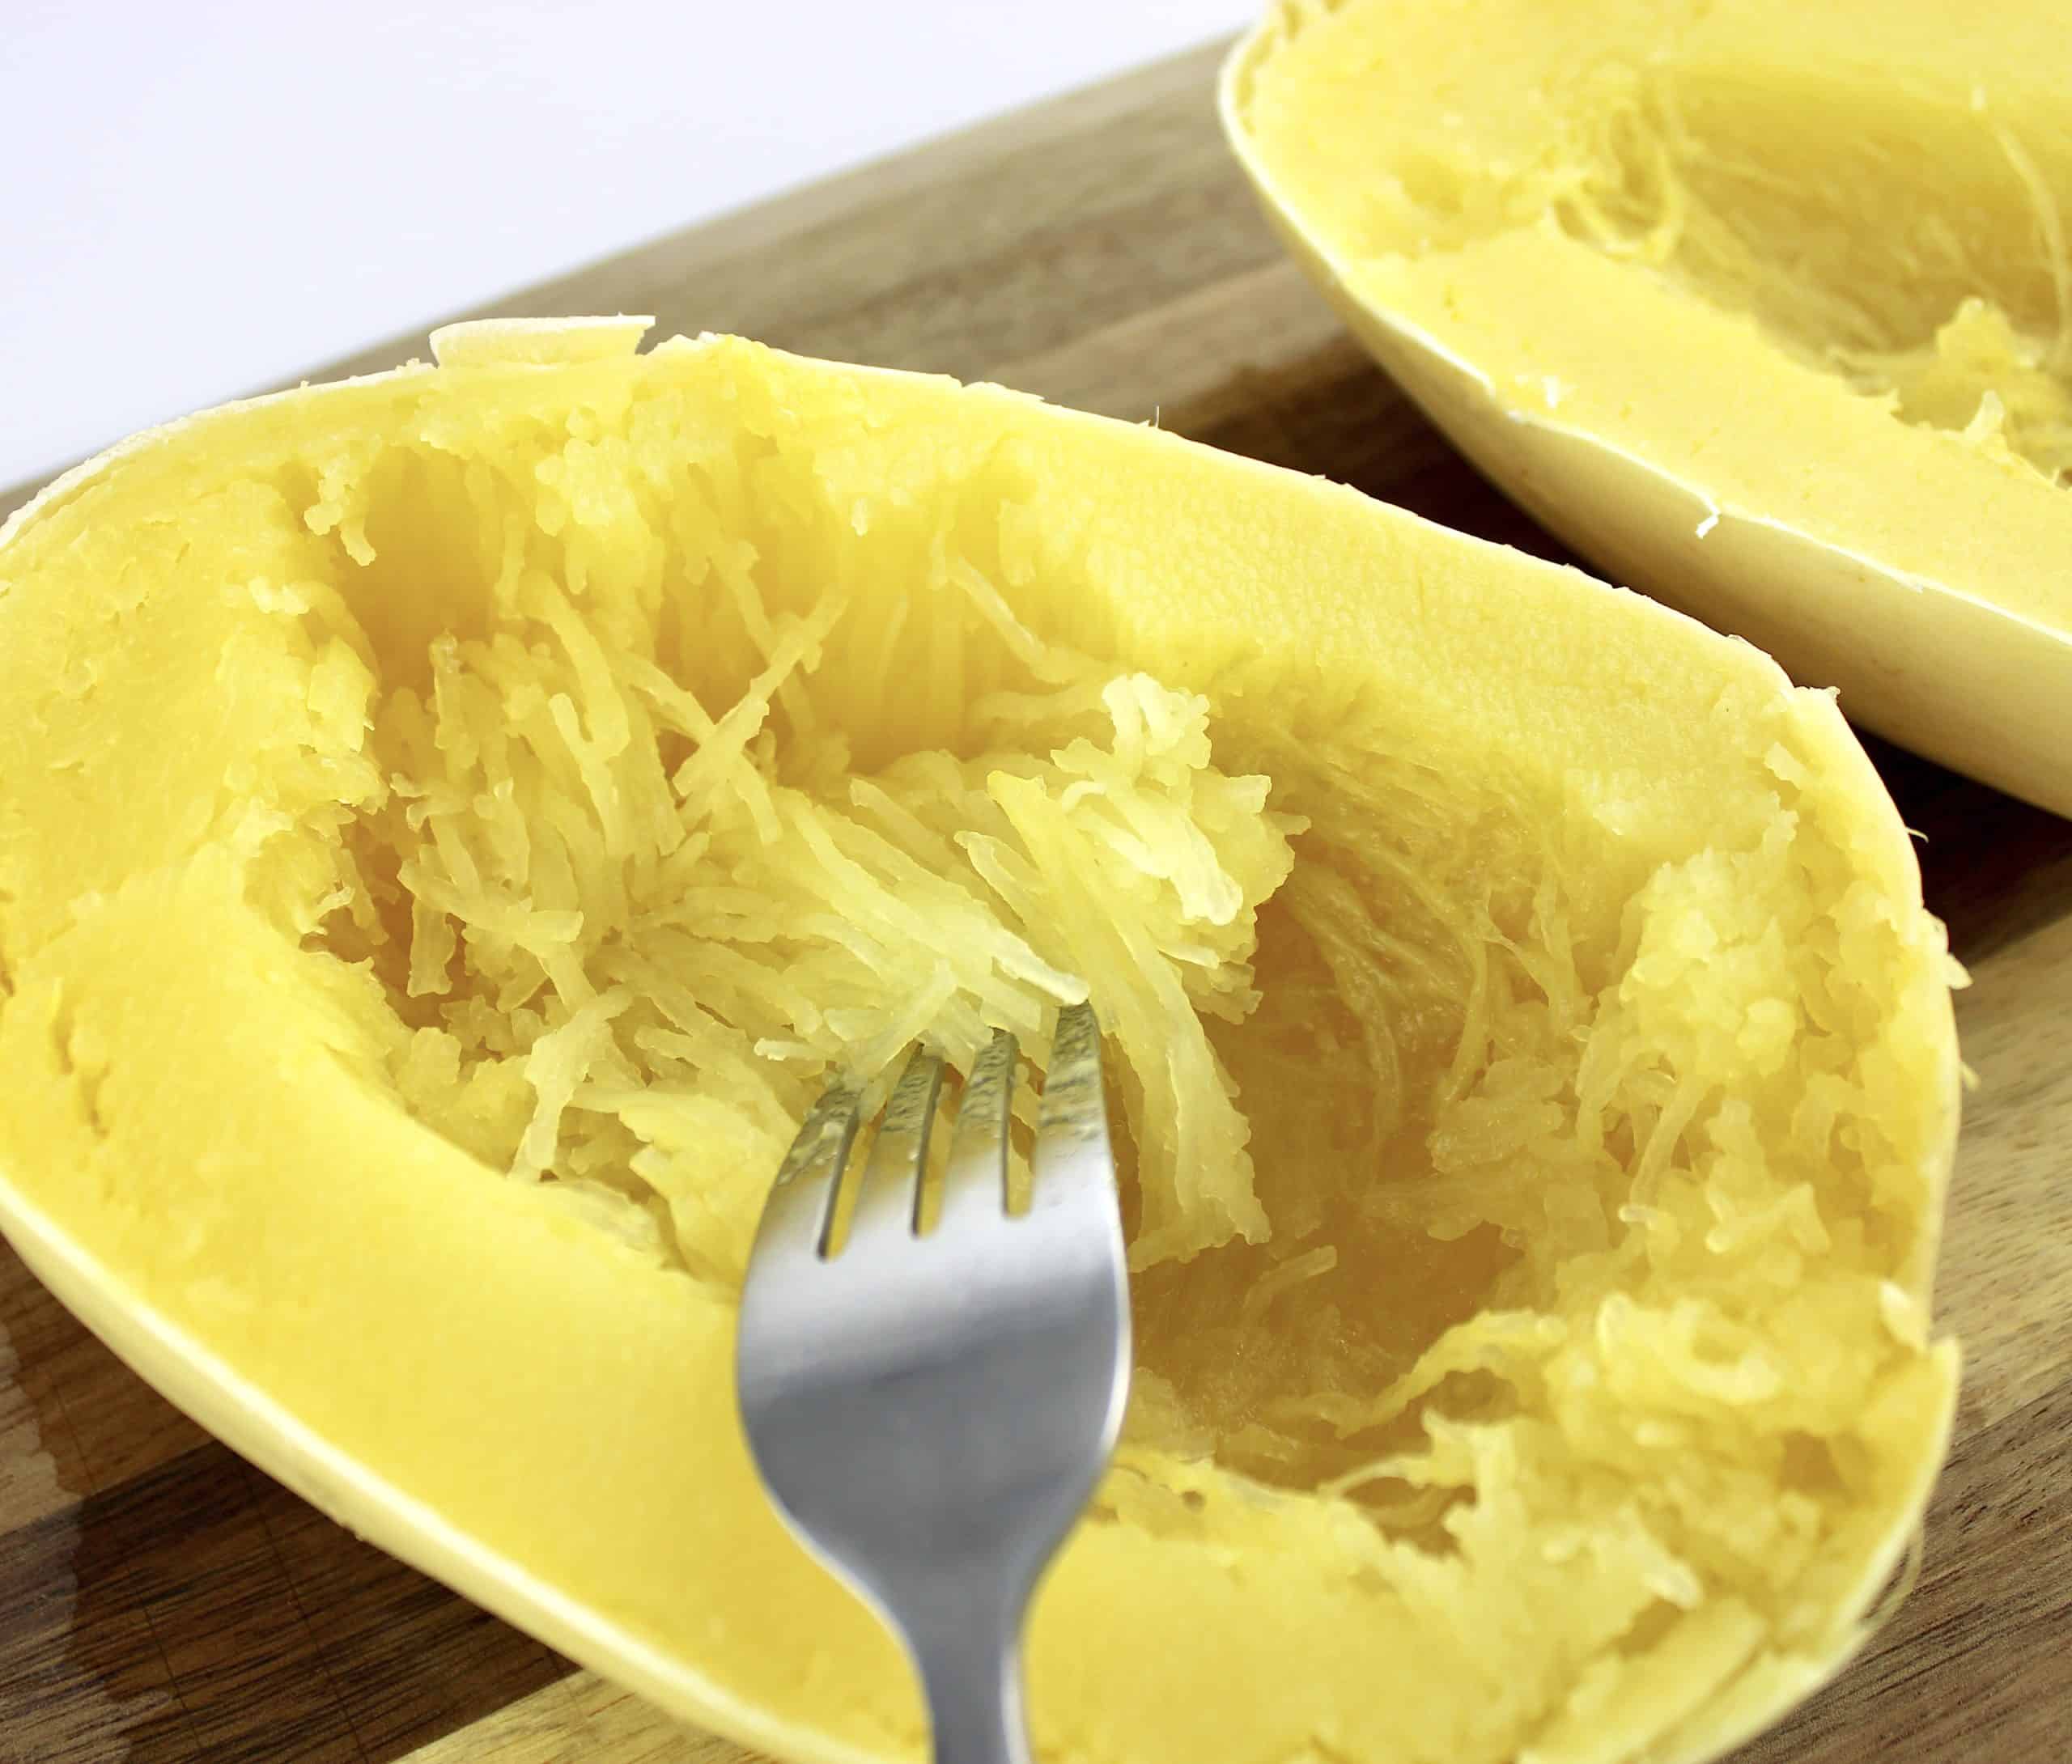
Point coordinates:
pixel 1765 307
pixel 453 821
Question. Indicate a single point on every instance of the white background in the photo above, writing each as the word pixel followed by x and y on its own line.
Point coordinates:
pixel 204 197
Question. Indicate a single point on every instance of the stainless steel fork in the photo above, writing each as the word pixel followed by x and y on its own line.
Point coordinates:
pixel 931 1409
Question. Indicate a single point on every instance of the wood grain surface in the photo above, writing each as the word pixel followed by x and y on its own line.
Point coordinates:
pixel 161 1602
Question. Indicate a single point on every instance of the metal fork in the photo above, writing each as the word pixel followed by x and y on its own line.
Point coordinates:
pixel 932 1410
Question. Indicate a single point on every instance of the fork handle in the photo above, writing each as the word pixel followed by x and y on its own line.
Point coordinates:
pixel 971 1678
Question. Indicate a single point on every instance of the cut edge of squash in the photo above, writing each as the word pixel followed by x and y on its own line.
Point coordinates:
pixel 258 1427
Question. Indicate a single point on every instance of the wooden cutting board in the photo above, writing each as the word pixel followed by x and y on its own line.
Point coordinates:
pixel 162 1602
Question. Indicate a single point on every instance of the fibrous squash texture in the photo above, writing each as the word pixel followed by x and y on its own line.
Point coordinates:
pixel 1885 191
pixel 1528 1197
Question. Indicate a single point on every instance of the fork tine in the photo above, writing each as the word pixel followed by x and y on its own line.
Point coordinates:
pixel 890 1196
pixel 932 1418
pixel 799 1213
pixel 1072 1161
pixel 976 1179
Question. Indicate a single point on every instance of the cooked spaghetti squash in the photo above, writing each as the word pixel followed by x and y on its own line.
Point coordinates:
pixel 454 822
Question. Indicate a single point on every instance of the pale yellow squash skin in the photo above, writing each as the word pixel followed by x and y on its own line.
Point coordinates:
pixel 196 1154
pixel 1493 194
